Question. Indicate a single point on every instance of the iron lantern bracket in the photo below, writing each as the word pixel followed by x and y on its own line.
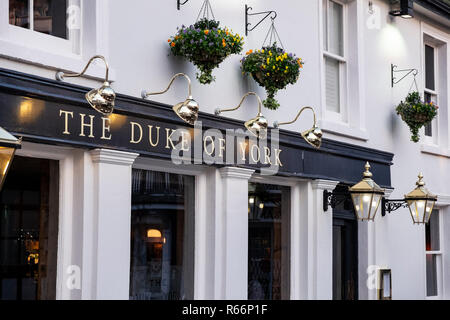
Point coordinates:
pixel 394 70
pixel 333 198
pixel 389 205
pixel 247 14
pixel 180 3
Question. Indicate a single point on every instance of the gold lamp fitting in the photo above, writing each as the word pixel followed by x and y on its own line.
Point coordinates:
pixel 257 125
pixel 313 136
pixel 187 110
pixel 101 99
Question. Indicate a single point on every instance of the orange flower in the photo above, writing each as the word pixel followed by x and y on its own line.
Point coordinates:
pixel 172 44
pixel 206 32
pixel 249 51
pixel 168 40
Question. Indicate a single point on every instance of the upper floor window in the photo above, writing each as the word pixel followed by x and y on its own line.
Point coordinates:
pixel 430 94
pixel 46 16
pixel 334 57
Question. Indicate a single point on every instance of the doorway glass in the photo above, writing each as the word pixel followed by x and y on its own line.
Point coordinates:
pixel 162 236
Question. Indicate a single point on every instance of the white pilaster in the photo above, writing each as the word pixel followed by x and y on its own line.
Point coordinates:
pixel 321 227
pixel 233 218
pixel 111 225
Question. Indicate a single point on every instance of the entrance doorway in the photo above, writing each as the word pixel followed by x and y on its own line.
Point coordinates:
pixel 345 252
pixel 29 230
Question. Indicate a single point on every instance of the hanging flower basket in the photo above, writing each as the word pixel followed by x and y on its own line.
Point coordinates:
pixel 206 46
pixel 273 69
pixel 416 113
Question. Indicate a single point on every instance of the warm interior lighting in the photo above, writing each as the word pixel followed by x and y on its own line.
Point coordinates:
pixel 261 205
pixel 154 233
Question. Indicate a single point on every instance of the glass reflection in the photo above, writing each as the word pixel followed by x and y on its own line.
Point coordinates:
pixel 162 236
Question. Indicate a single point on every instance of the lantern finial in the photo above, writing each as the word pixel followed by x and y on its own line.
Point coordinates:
pixel 367 174
pixel 420 182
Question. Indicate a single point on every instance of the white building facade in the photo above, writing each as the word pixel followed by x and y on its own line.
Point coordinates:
pixel 123 221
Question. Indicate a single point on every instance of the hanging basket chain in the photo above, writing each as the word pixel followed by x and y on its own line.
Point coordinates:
pixel 273 36
pixel 414 83
pixel 206 11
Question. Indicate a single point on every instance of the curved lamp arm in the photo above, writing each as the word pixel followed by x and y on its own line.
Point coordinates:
pixel 219 111
pixel 276 124
pixel 145 94
pixel 60 75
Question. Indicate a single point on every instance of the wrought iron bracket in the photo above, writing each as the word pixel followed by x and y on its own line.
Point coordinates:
pixel 248 14
pixel 388 205
pixel 180 3
pixel 394 70
pixel 333 198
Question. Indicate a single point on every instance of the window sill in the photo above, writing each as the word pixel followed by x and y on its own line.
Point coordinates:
pixel 38 57
pixel 342 129
pixel 434 150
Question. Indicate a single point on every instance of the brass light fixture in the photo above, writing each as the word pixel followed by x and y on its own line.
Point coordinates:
pixel 366 196
pixel 257 125
pixel 187 110
pixel 420 202
pixel 8 146
pixel 313 136
pixel 101 99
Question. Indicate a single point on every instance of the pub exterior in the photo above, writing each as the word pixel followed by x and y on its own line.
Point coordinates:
pixel 138 204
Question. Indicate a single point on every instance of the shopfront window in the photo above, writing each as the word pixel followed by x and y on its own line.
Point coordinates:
pixel 268 242
pixel 29 230
pixel 433 255
pixel 162 236
pixel 46 16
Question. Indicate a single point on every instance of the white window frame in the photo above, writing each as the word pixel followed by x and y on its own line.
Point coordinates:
pixel 31 47
pixel 439 261
pixel 434 138
pixel 342 115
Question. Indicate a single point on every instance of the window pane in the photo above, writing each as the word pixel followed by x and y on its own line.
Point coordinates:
pixel 268 242
pixel 162 236
pixel 332 85
pixel 429 67
pixel 325 25
pixel 335 28
pixel 19 13
pixel 432 232
pixel 432 289
pixel 50 17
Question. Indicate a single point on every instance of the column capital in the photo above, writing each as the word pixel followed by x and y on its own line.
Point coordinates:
pixel 113 157
pixel 320 184
pixel 235 172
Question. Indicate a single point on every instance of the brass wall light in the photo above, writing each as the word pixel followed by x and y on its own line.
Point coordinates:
pixel 8 146
pixel 366 196
pixel 313 136
pixel 257 125
pixel 402 8
pixel 101 99
pixel 187 110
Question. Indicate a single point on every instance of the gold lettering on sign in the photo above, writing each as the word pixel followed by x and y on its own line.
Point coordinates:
pixel 277 157
pixel 267 156
pixel 66 120
pixel 243 146
pixel 150 139
pixel 133 139
pixel 169 133
pixel 258 153
pixel 90 125
pixel 205 146
pixel 106 128
pixel 221 147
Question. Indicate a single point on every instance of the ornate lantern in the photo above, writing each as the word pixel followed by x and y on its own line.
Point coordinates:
pixel 8 146
pixel 420 202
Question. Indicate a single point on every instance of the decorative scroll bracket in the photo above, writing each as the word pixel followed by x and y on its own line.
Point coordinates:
pixel 247 14
pixel 394 70
pixel 388 205
pixel 333 198
pixel 179 3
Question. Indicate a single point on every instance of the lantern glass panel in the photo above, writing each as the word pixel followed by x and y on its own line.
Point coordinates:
pixel 417 209
pixel 428 210
pixel 6 155
pixel 375 204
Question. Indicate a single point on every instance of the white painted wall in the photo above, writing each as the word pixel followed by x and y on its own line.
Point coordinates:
pixel 133 36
